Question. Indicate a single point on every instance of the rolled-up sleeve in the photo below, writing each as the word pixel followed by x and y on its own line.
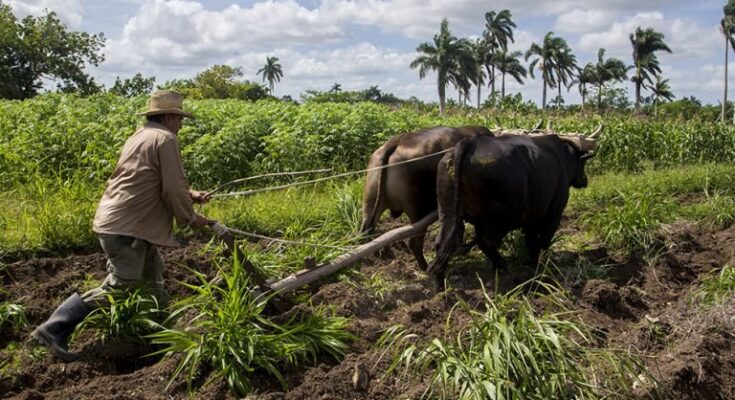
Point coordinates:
pixel 175 186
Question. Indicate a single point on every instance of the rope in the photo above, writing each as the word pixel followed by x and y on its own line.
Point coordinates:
pixel 250 178
pixel 284 241
pixel 253 191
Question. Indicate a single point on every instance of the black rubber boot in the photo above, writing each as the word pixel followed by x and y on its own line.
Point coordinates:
pixel 55 332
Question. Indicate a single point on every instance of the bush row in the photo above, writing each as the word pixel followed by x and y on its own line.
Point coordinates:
pixel 65 135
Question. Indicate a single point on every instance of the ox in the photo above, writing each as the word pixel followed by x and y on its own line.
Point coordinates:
pixel 503 183
pixel 411 187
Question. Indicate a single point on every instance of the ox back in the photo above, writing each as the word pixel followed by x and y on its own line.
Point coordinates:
pixel 503 183
pixel 409 188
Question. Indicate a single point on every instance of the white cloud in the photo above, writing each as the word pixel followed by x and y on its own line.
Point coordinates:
pixel 69 11
pixel 581 21
pixel 687 39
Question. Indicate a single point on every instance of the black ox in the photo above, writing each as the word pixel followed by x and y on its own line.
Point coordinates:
pixel 503 183
pixel 411 187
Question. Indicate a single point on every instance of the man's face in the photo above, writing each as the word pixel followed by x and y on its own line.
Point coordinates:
pixel 173 122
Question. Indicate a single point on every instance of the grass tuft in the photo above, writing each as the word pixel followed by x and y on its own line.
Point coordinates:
pixel 225 331
pixel 512 351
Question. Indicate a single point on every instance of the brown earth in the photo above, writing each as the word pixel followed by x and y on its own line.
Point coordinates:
pixel 642 304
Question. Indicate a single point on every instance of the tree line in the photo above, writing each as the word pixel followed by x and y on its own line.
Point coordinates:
pixel 39 52
pixel 463 62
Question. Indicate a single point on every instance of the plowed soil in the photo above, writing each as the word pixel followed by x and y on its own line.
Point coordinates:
pixel 642 303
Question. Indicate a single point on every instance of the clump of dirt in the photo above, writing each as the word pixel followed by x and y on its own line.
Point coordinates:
pixel 643 303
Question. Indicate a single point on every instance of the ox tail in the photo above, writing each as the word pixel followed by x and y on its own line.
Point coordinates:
pixel 452 226
pixel 369 220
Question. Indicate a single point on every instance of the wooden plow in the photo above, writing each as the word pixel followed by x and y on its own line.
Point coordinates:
pixel 312 274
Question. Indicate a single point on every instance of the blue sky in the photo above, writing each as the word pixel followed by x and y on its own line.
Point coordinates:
pixel 360 43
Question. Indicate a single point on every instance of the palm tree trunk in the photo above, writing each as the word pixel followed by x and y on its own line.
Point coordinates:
pixel 724 94
pixel 543 98
pixel 599 98
pixel 502 93
pixel 442 93
pixel 493 79
pixel 583 93
pixel 479 85
pixel 558 99
pixel 638 88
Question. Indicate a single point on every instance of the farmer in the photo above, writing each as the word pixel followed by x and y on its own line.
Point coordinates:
pixel 135 215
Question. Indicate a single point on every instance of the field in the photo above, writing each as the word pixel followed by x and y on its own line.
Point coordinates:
pixel 634 299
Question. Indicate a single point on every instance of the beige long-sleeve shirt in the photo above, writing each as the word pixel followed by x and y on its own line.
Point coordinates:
pixel 147 189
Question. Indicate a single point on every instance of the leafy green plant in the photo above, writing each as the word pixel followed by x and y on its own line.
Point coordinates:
pixel 715 289
pixel 512 351
pixel 225 331
pixel 130 316
pixel 13 316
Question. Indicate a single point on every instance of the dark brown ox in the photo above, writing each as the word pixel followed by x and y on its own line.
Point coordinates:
pixel 503 183
pixel 411 187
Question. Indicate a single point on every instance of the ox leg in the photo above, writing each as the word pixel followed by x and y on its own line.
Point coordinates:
pixel 416 244
pixel 533 244
pixel 488 242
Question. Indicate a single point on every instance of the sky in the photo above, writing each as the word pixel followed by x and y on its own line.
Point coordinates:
pixel 361 43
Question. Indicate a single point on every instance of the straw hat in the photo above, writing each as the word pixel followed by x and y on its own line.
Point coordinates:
pixel 166 102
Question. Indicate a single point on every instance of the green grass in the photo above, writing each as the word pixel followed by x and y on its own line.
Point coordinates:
pixel 223 328
pixel 717 287
pixel 12 316
pixel 130 317
pixel 510 350
pixel 624 211
pixel 49 215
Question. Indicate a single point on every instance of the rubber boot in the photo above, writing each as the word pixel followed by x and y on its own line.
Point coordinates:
pixel 54 333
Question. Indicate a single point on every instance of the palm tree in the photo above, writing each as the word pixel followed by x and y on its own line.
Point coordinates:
pixel 442 56
pixel 608 70
pixel 464 75
pixel 586 76
pixel 481 52
pixel 509 63
pixel 645 45
pixel 661 90
pixel 727 26
pixel 271 72
pixel 336 88
pixel 545 57
pixel 498 30
pixel 565 64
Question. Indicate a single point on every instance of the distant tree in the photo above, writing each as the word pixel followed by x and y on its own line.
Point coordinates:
pixel 464 75
pixel 481 52
pixel 510 64
pixel 585 77
pixel 372 94
pixel 37 48
pixel 660 90
pixel 336 88
pixel 134 86
pixel 645 45
pixel 442 57
pixel 271 72
pixel 606 70
pixel 565 64
pixel 544 59
pixel 498 31
pixel 218 82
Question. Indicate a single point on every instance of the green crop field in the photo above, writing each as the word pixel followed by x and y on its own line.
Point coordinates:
pixel 56 151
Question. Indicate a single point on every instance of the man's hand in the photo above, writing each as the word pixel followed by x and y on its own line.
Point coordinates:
pixel 199 221
pixel 199 197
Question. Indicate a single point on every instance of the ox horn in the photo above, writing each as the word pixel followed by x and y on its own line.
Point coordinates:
pixel 597 132
pixel 538 125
